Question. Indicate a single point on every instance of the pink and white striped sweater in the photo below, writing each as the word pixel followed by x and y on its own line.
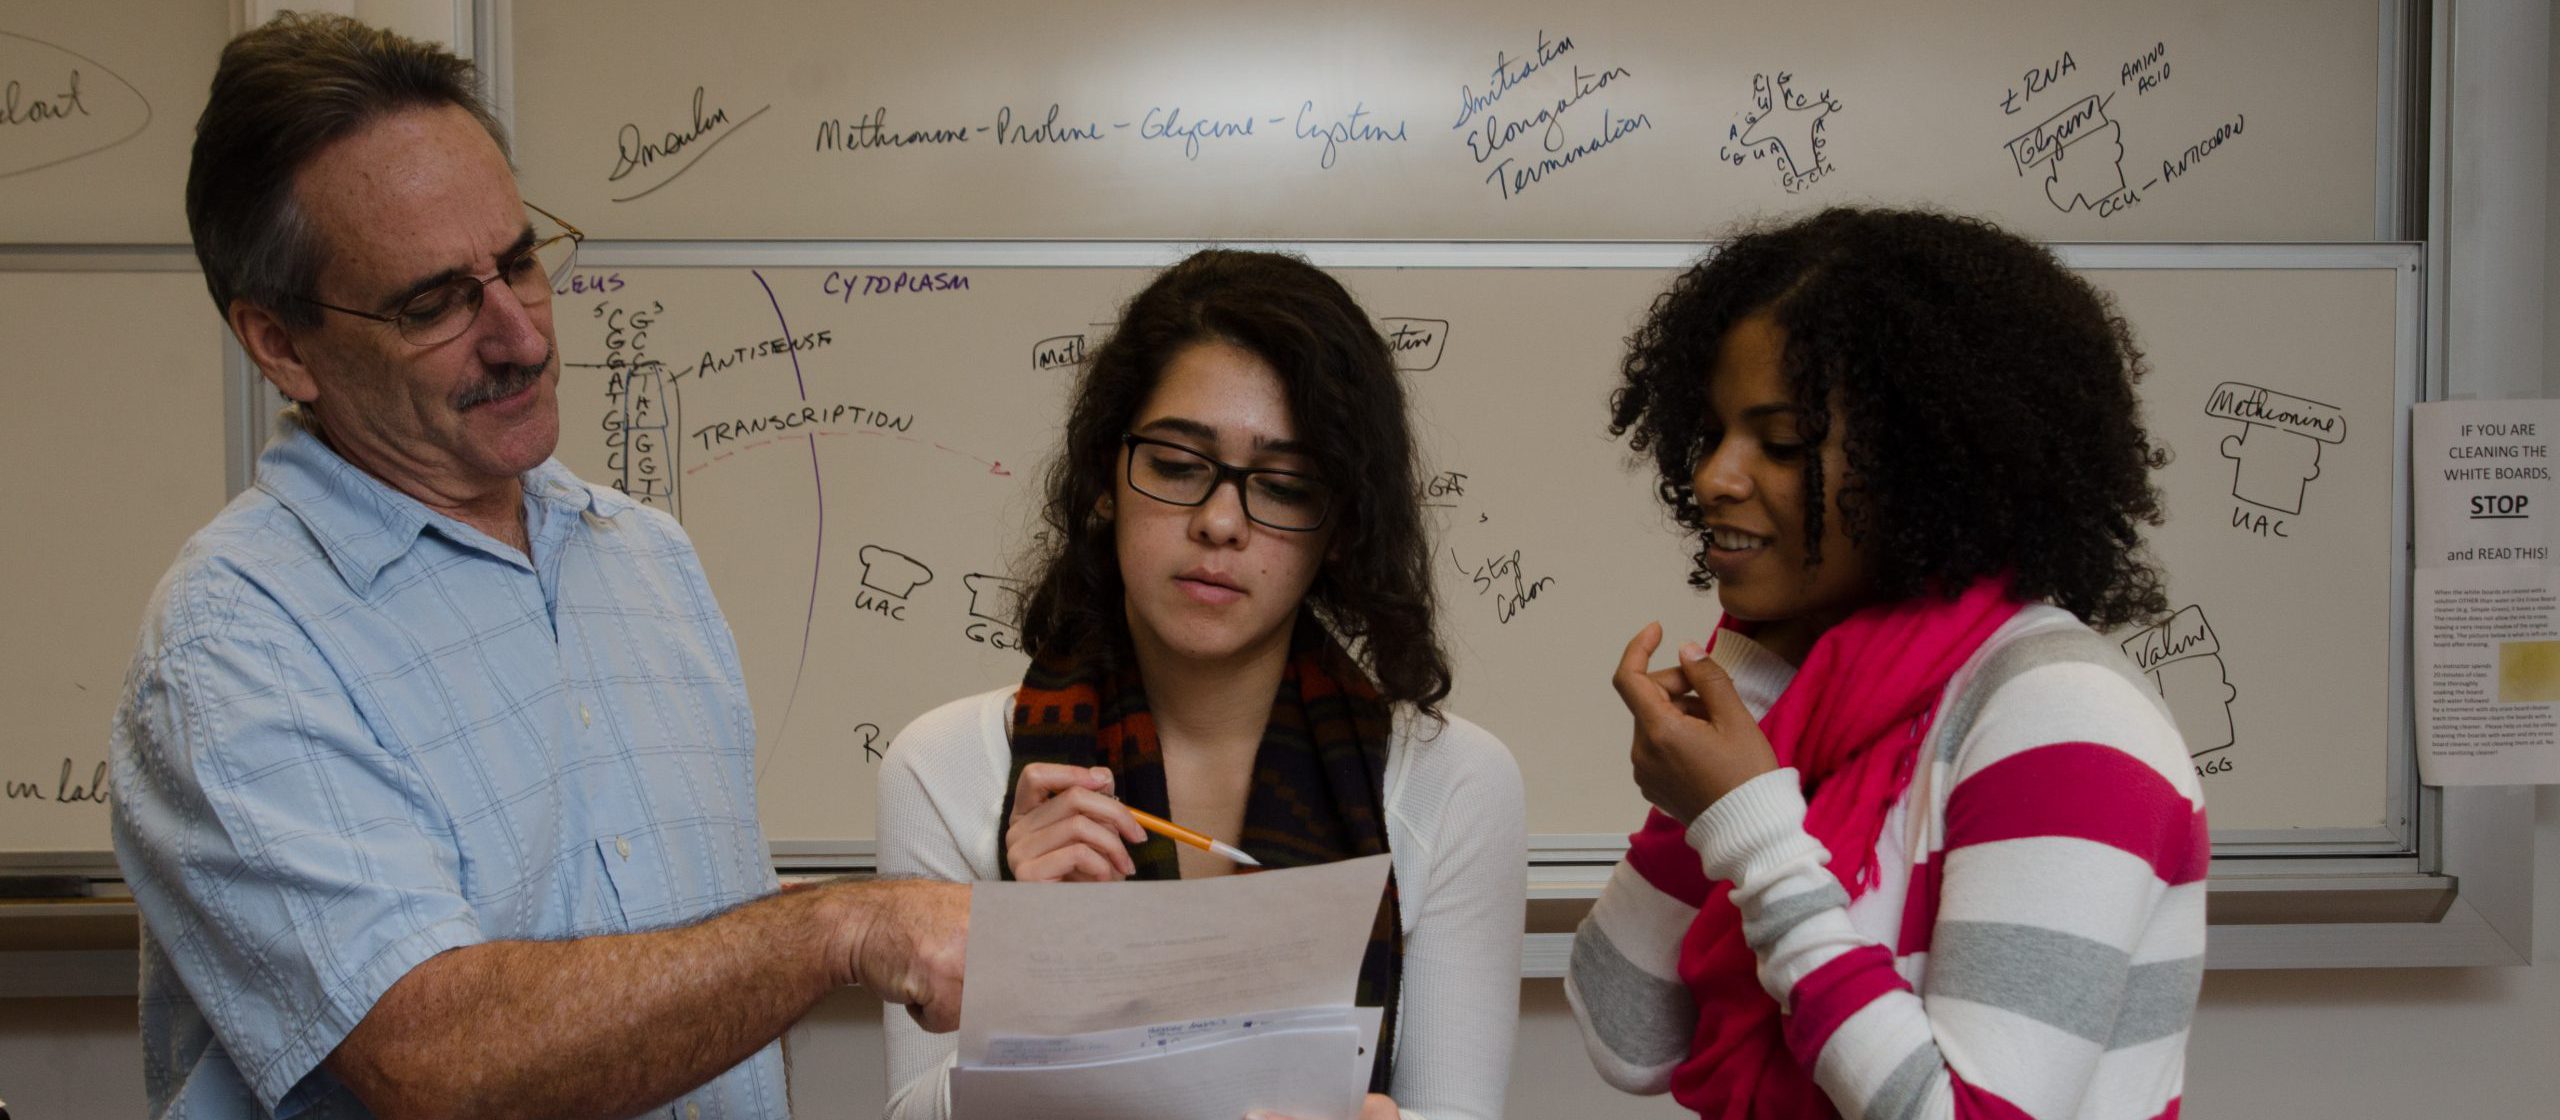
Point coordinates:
pixel 2034 943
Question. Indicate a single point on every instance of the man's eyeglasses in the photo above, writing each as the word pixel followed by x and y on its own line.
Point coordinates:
pixel 1177 475
pixel 440 314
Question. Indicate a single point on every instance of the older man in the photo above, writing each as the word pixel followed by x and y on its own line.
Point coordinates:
pixel 434 771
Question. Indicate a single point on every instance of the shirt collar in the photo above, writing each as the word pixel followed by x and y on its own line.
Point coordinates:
pixel 555 500
pixel 1759 676
pixel 362 524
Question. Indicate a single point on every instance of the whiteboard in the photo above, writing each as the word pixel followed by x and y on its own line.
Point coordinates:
pixel 2178 121
pixel 114 440
pixel 854 449
pixel 97 113
pixel 2276 118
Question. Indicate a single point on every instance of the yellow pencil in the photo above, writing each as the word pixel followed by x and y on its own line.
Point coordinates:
pixel 1172 831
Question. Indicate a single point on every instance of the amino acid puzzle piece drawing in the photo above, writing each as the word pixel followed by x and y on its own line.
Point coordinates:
pixel 2086 169
pixel 2200 692
pixel 2184 662
pixel 2278 449
pixel 994 598
pixel 2085 149
pixel 2275 466
pixel 892 573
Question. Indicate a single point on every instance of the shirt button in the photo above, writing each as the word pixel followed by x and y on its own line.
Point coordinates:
pixel 584 719
pixel 692 1111
pixel 623 846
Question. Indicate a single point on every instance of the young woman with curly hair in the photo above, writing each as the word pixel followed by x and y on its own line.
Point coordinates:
pixel 1231 625
pixel 1924 843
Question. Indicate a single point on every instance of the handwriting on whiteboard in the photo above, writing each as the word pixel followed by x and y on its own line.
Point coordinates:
pixel 1325 131
pixel 2080 152
pixel 1524 126
pixel 67 788
pixel 60 105
pixel 1785 128
pixel 636 149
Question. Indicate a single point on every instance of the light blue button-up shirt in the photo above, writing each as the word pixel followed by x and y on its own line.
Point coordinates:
pixel 357 733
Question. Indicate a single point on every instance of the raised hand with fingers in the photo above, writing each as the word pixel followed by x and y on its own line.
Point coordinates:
pixel 1067 827
pixel 1695 740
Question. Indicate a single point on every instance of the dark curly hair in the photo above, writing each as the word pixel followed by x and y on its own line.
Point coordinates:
pixel 1987 394
pixel 1374 591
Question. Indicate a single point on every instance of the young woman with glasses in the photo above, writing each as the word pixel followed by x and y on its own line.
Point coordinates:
pixel 1924 842
pixel 1231 626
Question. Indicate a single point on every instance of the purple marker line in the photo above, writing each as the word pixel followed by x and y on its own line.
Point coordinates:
pixel 809 622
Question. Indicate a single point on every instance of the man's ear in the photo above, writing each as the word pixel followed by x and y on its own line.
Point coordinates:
pixel 271 345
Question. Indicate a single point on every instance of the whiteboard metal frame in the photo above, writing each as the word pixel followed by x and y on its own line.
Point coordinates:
pixel 2394 156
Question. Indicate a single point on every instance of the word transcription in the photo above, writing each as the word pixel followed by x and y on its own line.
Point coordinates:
pixel 805 416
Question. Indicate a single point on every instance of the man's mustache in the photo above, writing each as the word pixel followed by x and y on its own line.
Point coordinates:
pixel 506 382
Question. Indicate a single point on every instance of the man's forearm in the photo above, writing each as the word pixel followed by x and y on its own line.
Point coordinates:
pixel 603 1026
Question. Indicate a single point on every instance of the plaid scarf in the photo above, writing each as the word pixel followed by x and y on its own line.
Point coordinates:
pixel 1318 792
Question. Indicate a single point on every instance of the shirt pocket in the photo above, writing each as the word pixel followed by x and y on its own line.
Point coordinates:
pixel 635 886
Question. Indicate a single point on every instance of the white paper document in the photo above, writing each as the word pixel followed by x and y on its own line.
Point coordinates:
pixel 1165 1038
pixel 1176 999
pixel 1292 1063
pixel 2487 591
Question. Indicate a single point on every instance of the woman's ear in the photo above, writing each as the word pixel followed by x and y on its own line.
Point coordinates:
pixel 1104 507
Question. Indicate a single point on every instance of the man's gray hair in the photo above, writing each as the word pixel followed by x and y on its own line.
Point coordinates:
pixel 281 93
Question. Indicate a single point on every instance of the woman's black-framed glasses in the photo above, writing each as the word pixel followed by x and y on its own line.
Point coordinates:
pixel 441 313
pixel 1290 501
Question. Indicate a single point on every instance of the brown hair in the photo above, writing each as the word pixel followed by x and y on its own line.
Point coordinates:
pixel 281 93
